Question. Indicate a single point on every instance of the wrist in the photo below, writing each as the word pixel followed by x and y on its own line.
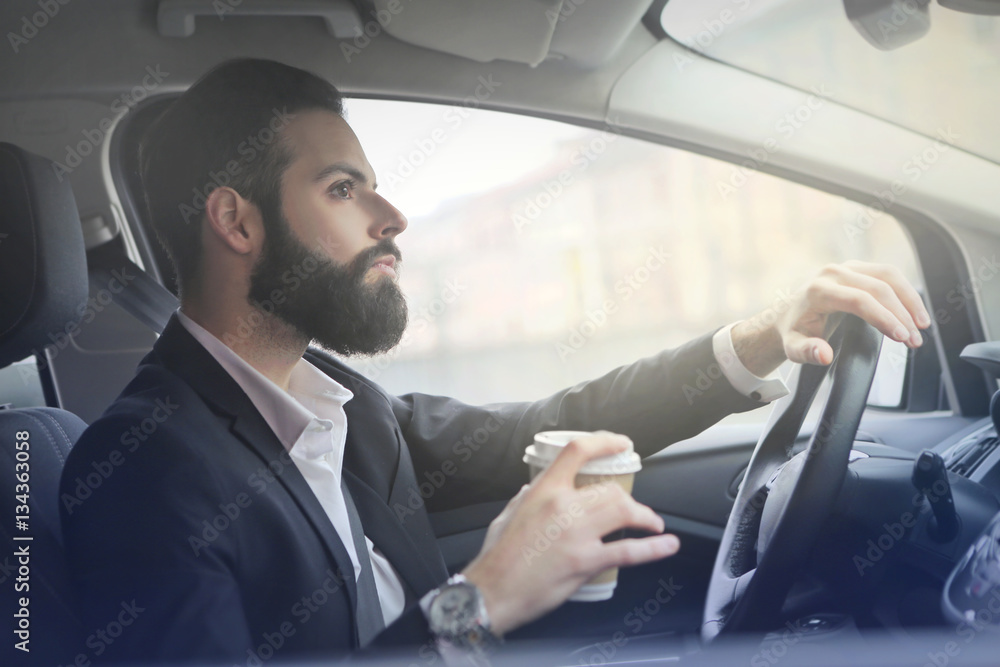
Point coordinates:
pixel 758 345
pixel 503 619
pixel 458 619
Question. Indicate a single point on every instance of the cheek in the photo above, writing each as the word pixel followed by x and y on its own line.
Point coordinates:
pixel 335 231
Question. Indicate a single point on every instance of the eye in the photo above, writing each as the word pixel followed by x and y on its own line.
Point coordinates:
pixel 342 189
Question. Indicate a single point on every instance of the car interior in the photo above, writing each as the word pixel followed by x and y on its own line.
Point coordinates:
pixel 855 521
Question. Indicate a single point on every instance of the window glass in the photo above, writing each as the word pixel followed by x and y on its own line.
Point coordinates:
pixel 540 254
pixel 933 85
pixel 20 385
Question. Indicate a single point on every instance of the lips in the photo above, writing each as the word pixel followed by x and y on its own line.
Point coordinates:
pixel 385 264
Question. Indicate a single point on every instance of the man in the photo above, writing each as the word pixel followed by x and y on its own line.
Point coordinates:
pixel 250 510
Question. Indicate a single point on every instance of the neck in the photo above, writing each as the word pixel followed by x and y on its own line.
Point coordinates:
pixel 270 345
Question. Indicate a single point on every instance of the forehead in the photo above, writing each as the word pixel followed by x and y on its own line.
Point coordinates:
pixel 320 138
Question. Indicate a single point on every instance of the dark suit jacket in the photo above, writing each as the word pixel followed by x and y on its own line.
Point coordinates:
pixel 190 533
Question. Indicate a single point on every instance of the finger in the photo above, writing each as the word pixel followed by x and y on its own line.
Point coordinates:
pixel 635 551
pixel 802 349
pixel 499 524
pixel 904 289
pixel 512 504
pixel 887 295
pixel 837 297
pixel 610 508
pixel 566 466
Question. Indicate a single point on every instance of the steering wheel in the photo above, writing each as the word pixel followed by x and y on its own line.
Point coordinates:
pixel 784 500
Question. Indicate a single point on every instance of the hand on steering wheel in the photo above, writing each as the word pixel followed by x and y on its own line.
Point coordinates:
pixel 783 500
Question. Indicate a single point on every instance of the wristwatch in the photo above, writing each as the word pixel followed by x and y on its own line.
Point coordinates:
pixel 457 615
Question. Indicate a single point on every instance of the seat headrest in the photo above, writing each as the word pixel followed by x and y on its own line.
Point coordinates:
pixel 43 261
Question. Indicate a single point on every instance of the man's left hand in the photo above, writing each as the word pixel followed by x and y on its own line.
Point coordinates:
pixel 877 293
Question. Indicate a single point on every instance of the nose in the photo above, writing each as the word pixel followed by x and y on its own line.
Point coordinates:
pixel 389 220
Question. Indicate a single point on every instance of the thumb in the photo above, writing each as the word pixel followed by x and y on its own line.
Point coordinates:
pixel 803 349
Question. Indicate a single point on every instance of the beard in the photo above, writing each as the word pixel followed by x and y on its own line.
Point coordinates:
pixel 328 302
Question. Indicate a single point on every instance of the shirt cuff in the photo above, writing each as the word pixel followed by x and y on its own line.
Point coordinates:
pixel 760 389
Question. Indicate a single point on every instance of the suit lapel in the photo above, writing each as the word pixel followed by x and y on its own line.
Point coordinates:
pixel 414 520
pixel 179 352
pixel 383 530
pixel 250 427
pixel 377 464
pixel 390 503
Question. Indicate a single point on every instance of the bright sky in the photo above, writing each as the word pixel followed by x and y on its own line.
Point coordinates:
pixel 473 152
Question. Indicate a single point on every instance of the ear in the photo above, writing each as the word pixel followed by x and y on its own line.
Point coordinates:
pixel 234 221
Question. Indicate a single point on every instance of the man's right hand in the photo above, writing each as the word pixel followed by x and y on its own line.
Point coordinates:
pixel 547 541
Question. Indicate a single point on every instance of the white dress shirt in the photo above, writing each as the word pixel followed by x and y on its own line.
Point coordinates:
pixel 310 422
pixel 760 389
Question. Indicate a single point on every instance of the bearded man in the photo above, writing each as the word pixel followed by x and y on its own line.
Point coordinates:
pixel 250 510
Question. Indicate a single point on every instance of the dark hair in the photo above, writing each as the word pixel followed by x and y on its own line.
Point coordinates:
pixel 224 130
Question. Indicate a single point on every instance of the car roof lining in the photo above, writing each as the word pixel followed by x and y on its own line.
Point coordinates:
pixel 587 34
pixel 102 32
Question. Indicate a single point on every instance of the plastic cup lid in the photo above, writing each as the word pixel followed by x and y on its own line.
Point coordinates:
pixel 548 444
pixel 594 592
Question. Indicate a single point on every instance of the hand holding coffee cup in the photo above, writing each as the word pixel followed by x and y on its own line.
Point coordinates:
pixel 619 469
pixel 548 542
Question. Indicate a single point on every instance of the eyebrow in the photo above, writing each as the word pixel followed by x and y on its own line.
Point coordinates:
pixel 343 168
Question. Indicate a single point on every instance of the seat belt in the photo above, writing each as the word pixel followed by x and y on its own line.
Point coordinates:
pixel 137 293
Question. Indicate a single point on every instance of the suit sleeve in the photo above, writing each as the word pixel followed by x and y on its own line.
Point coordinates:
pixel 142 580
pixel 656 401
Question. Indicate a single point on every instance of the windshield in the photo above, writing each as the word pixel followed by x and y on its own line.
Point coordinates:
pixel 948 81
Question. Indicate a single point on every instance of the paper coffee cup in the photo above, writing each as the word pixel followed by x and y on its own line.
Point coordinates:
pixel 618 469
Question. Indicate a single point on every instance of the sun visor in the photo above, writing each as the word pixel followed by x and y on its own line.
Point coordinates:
pixel 481 30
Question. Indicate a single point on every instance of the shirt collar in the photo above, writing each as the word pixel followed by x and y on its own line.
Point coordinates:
pixel 312 395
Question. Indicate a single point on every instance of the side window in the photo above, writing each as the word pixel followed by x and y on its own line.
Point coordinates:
pixel 540 254
pixel 20 385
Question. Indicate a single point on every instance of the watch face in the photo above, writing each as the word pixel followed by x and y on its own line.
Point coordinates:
pixel 454 610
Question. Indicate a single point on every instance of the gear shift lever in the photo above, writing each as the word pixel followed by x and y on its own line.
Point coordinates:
pixel 930 476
